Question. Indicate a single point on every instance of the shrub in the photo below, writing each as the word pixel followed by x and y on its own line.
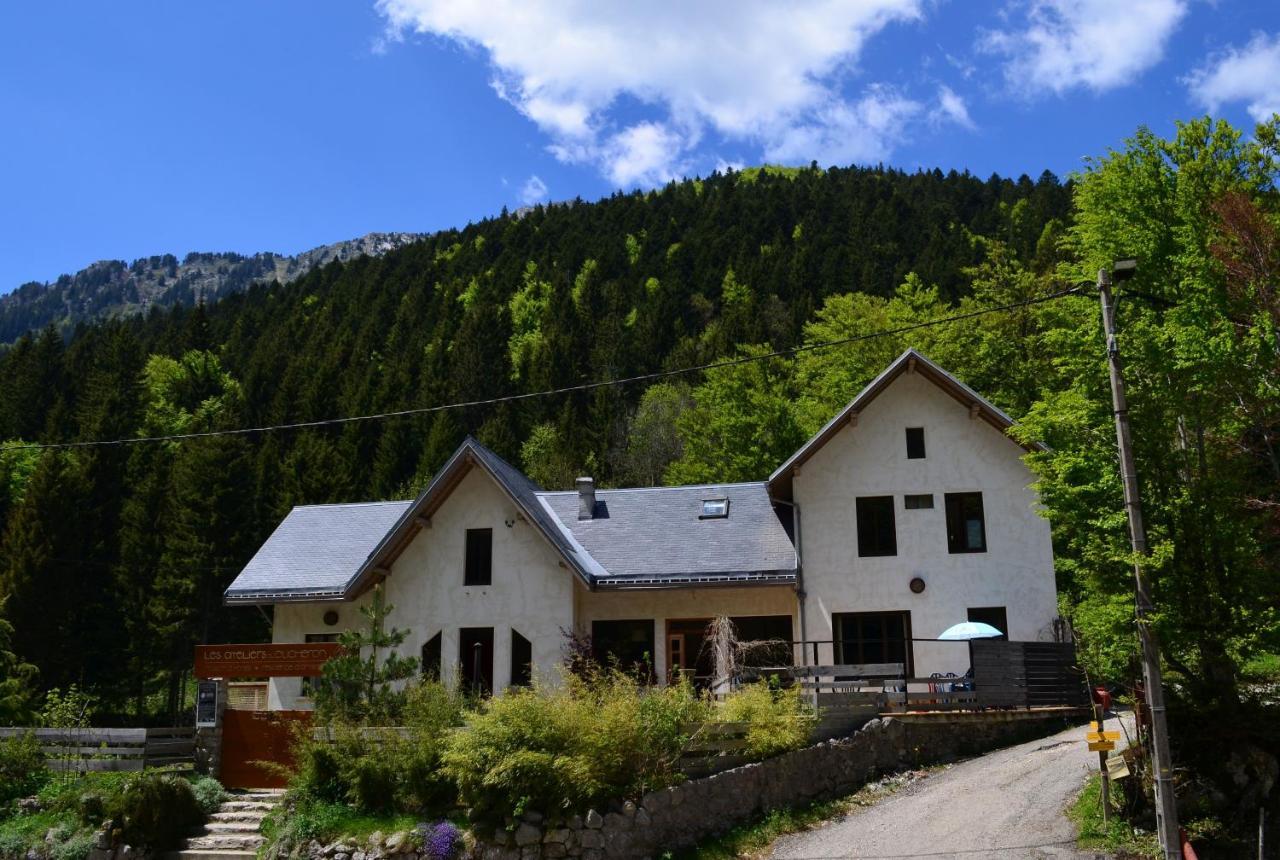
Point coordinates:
pixel 371 780
pixel 557 750
pixel 431 712
pixel 157 811
pixel 23 769
pixel 73 846
pixel 209 794
pixel 779 720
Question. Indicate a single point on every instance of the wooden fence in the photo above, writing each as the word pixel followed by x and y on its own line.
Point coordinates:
pixel 1027 674
pixel 83 750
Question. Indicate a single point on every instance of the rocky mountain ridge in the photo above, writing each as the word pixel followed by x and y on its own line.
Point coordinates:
pixel 110 288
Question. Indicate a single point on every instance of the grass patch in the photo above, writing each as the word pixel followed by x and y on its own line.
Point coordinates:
pixel 20 833
pixel 1116 836
pixel 1262 669
pixel 755 840
pixel 292 825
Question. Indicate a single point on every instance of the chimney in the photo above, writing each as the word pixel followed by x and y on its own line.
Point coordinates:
pixel 586 498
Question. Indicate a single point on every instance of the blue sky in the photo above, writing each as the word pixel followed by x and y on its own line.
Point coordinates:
pixel 134 128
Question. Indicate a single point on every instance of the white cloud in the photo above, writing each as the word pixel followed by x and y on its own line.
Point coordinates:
pixel 950 108
pixel 840 132
pixel 1250 74
pixel 754 71
pixel 533 191
pixel 1098 44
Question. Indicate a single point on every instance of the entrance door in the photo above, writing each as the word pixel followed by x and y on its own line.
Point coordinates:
pixel 675 657
pixel 475 655
pixel 250 737
pixel 697 662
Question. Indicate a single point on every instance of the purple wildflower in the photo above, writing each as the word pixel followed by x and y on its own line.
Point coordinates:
pixel 440 841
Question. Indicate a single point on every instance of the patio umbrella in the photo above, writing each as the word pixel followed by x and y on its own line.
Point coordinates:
pixel 970 630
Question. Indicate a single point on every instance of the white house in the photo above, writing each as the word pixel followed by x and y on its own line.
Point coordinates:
pixel 909 512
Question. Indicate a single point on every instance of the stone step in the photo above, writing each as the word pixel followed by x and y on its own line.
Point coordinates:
pixel 247 806
pixel 225 842
pixel 210 854
pixel 212 828
pixel 253 816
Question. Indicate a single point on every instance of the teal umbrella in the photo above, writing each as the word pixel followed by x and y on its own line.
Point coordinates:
pixel 970 630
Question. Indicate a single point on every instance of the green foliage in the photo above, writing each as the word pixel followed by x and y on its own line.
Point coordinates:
pixel 301 819
pixel 379 770
pixel 158 811
pixel 17 680
pixel 559 750
pixel 742 424
pixel 209 794
pixel 1116 837
pixel 780 720
pixel 69 709
pixel 22 768
pixel 359 684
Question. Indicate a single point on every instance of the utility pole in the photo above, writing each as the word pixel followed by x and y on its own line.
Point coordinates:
pixel 1162 764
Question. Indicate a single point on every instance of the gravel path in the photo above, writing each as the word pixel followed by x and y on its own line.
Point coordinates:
pixel 1006 804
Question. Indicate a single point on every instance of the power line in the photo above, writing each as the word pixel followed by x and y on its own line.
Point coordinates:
pixel 568 389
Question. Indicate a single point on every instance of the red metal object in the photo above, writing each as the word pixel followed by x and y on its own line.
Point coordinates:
pixel 250 738
pixel 1188 852
pixel 1102 698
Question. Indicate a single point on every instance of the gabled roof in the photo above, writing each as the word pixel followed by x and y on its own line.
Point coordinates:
pixel 522 492
pixel 655 536
pixel 910 361
pixel 314 552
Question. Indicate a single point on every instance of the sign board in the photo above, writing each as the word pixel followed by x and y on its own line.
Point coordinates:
pixel 1102 736
pixel 206 704
pixel 1117 767
pixel 264 661
pixel 1101 746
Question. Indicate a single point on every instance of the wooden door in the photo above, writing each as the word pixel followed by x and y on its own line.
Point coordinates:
pixel 250 737
pixel 675 657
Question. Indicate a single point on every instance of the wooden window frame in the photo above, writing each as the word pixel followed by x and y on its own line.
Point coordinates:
pixel 957 530
pixel 477 570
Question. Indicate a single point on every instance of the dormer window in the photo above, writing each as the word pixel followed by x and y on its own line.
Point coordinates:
pixel 714 509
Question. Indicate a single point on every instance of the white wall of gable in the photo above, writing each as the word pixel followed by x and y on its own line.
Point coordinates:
pixel 963 454
pixel 531 592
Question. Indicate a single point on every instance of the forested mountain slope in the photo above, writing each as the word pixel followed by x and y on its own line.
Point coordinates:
pixel 139 541
pixel 114 288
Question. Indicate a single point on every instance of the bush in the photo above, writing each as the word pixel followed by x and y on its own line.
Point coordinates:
pixel 440 841
pixel 23 769
pixel 157 811
pixel 779 720
pixel 559 750
pixel 209 794
pixel 383 771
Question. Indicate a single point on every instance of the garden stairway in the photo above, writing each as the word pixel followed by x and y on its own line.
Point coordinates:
pixel 234 832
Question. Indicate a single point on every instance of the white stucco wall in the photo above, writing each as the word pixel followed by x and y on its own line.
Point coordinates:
pixel 962 455
pixel 530 591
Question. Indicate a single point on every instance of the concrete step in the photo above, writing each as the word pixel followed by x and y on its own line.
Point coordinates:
pixel 209 854
pixel 225 842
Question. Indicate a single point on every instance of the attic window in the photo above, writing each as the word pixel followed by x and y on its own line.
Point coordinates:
pixel 714 509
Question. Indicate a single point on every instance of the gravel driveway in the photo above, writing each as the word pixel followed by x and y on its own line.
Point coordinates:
pixel 1006 804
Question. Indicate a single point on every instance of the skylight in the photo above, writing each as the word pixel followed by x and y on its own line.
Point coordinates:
pixel 714 509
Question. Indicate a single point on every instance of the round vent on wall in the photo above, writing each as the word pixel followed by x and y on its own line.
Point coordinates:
pixel 917 585
pixel 331 617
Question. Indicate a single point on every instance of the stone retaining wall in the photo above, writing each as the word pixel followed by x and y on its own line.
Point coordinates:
pixel 682 816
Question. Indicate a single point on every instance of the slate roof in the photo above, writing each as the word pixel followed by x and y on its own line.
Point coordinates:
pixel 654 536
pixel 315 552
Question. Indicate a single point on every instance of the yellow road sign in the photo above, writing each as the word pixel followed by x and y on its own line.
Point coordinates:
pixel 1102 736
pixel 1101 746
pixel 1093 726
